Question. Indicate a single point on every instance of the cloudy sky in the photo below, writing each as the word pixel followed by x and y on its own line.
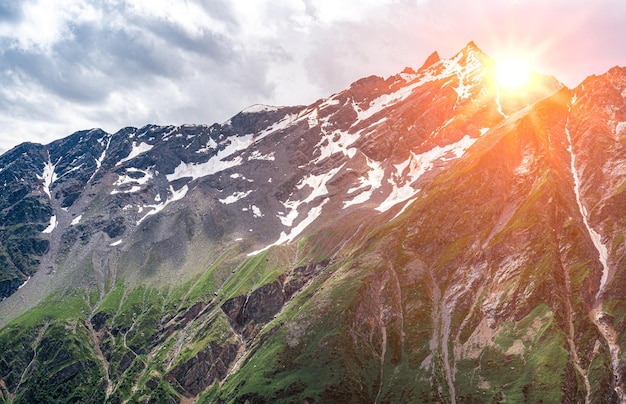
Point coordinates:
pixel 67 65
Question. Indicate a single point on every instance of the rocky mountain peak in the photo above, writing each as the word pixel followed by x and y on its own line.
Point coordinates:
pixel 418 238
pixel 472 54
pixel 430 60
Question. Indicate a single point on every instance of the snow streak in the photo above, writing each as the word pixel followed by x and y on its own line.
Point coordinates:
pixel 100 159
pixel 48 177
pixel 597 315
pixel 500 111
pixel 51 226
pixel 595 237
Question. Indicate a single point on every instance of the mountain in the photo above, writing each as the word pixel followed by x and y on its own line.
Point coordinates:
pixel 429 237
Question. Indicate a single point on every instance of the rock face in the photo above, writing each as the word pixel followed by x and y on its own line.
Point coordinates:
pixel 262 304
pixel 429 237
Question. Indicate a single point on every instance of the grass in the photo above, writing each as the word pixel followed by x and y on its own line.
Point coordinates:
pixel 112 301
pixel 276 371
pixel 56 307
pixel 258 270
pixel 65 368
pixel 206 283
pixel 324 364
pixel 537 374
pixel 216 330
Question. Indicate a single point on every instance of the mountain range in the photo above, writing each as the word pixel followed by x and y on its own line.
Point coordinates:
pixel 428 237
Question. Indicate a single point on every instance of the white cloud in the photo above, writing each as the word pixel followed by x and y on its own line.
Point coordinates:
pixel 67 65
pixel 45 23
pixel 329 12
pixel 187 15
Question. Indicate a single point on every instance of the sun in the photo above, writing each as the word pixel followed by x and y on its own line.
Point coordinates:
pixel 512 72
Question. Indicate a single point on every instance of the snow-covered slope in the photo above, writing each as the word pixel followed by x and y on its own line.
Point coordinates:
pixel 276 171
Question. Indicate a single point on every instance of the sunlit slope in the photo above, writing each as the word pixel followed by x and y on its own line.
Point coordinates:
pixel 430 237
pixel 480 289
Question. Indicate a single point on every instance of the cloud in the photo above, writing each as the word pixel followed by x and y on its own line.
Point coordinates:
pixel 125 64
pixel 75 64
pixel 10 10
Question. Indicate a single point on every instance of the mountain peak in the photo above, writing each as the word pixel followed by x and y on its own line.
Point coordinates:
pixel 431 60
pixel 472 45
pixel 471 54
pixel 472 48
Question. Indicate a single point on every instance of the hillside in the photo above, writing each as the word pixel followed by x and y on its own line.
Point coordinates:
pixel 428 237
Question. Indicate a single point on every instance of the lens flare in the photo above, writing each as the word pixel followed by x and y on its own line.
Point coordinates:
pixel 512 73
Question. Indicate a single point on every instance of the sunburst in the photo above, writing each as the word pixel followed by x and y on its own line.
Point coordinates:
pixel 512 72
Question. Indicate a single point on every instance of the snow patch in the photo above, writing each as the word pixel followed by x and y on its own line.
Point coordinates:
pixel 374 180
pixel 466 84
pixel 168 134
pixel 135 182
pixel 329 102
pixel 235 197
pixel 313 119
pixel 100 159
pixel 76 220
pixel 256 155
pixel 216 163
pixel 256 212
pixel 418 165
pixel 287 121
pixel 154 209
pixel 384 101
pixel 498 105
pixel 336 142
pixel 408 77
pixel 524 167
pixel 318 185
pixel 406 205
pixel 451 67
pixel 48 177
pixel 211 145
pixel 51 226
pixel 138 148
pixel 220 161
pixel 131 190
pixel 259 108
pixel 313 214
pixel 118 242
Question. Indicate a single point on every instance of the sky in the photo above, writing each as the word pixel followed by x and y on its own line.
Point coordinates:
pixel 68 65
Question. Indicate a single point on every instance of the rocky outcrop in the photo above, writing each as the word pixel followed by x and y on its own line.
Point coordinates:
pixel 262 304
pixel 198 373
